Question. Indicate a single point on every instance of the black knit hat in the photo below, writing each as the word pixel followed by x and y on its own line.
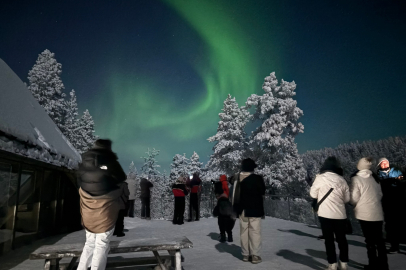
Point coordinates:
pixel 102 144
pixel 248 165
pixel 332 164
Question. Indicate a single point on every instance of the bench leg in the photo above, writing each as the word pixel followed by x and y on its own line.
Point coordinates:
pixel 51 264
pixel 178 260
pixel 72 263
pixel 161 264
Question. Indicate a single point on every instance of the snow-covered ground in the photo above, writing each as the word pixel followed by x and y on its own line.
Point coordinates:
pixel 286 245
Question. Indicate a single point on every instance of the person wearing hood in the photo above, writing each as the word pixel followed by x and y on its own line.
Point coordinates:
pixel 331 212
pixel 393 188
pixel 145 196
pixel 248 192
pixel 195 186
pixel 179 191
pixel 101 181
pixel 225 213
pixel 132 187
pixel 366 196
pixel 224 184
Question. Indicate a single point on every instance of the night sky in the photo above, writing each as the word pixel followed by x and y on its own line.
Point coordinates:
pixel 155 73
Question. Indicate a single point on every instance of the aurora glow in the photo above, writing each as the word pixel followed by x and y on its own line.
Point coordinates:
pixel 155 73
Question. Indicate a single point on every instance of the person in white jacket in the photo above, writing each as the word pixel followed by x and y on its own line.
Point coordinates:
pixel 366 196
pixel 332 214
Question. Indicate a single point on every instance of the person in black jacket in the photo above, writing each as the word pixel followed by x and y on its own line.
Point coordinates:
pixel 195 187
pixel 179 191
pixel 225 213
pixel 100 172
pixel 145 198
pixel 249 189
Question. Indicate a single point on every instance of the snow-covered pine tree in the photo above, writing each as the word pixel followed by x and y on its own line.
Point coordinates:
pixel 86 131
pixel 230 139
pixel 45 84
pixel 272 144
pixel 150 167
pixel 179 166
pixel 72 128
pixel 195 166
pixel 132 171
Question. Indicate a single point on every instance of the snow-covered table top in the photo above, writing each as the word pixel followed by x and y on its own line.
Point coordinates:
pixel 124 246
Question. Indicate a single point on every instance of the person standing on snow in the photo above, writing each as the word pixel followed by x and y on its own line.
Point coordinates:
pixel 145 196
pixel 195 186
pixel 331 212
pixel 224 185
pixel 366 196
pixel 100 177
pixel 225 213
pixel 132 187
pixel 179 191
pixel 393 188
pixel 248 192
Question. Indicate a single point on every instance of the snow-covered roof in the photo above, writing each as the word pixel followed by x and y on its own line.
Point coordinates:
pixel 22 117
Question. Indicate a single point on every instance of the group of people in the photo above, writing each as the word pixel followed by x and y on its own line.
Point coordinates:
pixel 105 199
pixel 182 187
pixel 374 196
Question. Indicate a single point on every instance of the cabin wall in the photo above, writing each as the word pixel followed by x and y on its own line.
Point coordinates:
pixel 36 200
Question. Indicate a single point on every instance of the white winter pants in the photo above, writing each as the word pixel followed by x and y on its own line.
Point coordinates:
pixel 250 235
pixel 95 252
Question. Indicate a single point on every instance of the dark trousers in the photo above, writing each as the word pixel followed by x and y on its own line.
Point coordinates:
pixel 194 205
pixel 120 222
pixel 372 231
pixel 179 210
pixel 226 224
pixel 331 227
pixel 393 228
pixel 145 207
pixel 130 208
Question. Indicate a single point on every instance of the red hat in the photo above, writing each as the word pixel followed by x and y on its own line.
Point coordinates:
pixel 223 178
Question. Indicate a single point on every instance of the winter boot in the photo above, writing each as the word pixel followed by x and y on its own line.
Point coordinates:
pixel 332 266
pixel 230 238
pixel 342 265
pixel 222 237
pixel 246 258
pixel 256 259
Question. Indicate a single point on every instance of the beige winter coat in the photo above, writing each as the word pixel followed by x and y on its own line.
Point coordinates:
pixel 366 196
pixel 99 213
pixel 334 205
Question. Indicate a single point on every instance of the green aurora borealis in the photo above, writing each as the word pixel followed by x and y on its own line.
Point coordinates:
pixel 228 66
pixel 155 73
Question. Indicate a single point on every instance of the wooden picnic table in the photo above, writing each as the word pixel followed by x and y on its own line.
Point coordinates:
pixel 54 253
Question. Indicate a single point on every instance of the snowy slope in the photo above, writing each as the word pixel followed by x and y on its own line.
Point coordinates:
pixel 21 116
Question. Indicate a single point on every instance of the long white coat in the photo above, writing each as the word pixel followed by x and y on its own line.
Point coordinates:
pixel 366 196
pixel 334 206
pixel 132 187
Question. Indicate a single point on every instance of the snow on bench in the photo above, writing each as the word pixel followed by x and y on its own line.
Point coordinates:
pixel 54 253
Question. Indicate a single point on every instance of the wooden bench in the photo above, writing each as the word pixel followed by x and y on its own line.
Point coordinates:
pixel 54 253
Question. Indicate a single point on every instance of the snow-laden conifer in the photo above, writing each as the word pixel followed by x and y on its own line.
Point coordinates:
pixel 195 166
pixel 150 166
pixel 45 84
pixel 179 166
pixel 272 144
pixel 72 124
pixel 230 139
pixel 86 131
